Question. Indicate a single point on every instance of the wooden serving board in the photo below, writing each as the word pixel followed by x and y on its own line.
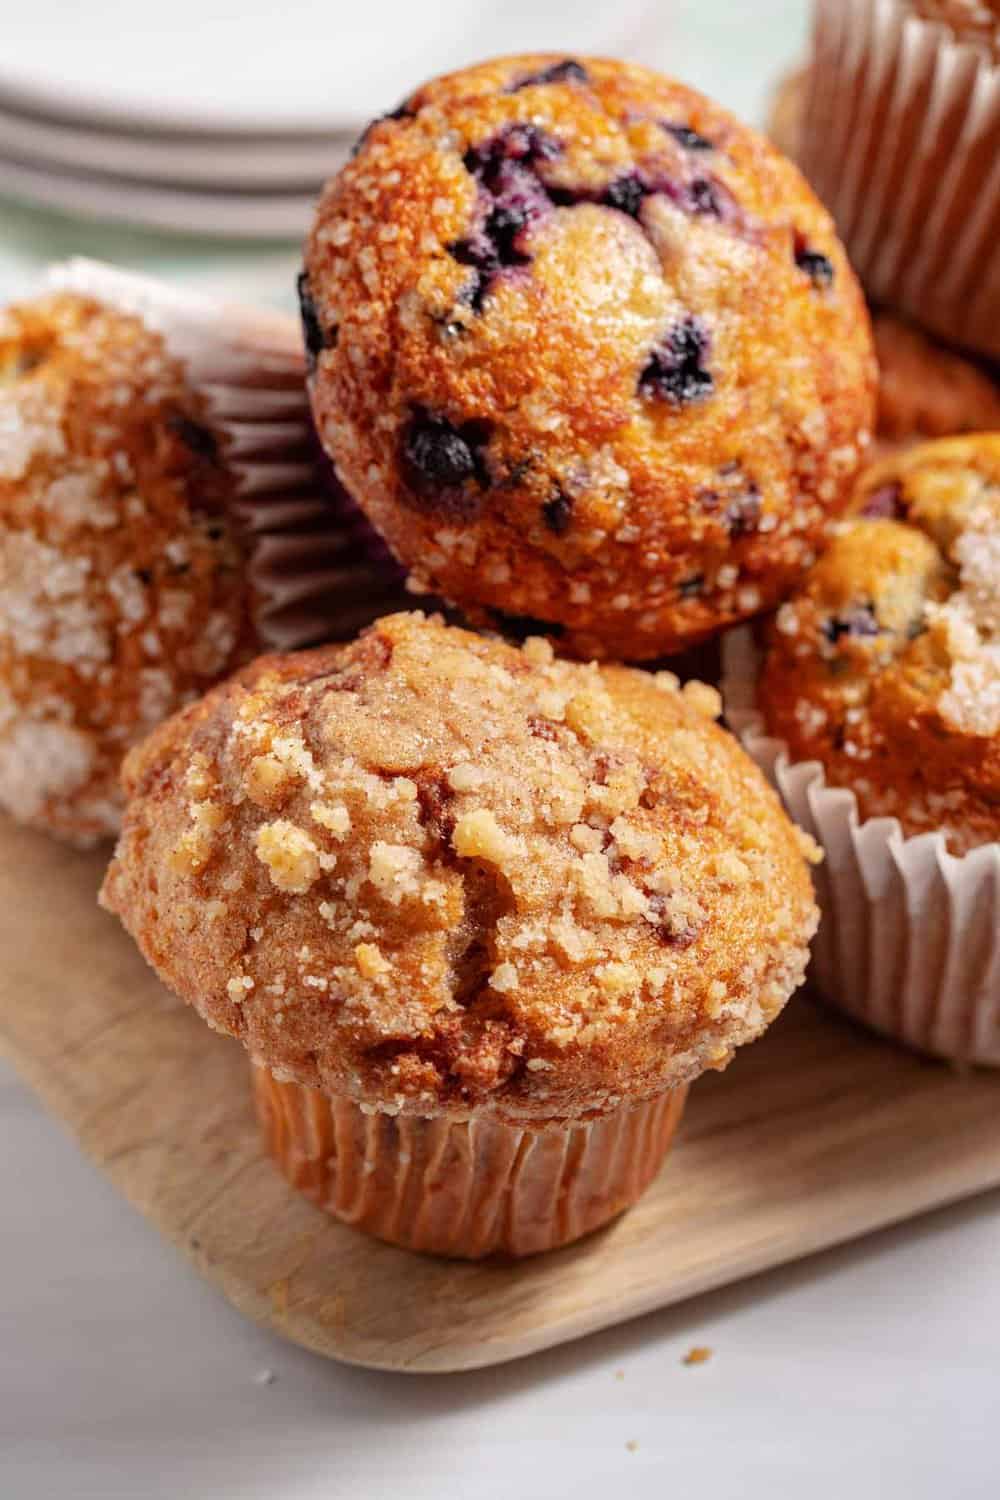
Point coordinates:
pixel 817 1134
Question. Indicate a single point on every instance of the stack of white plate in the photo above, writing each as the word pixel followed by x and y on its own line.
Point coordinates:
pixel 223 117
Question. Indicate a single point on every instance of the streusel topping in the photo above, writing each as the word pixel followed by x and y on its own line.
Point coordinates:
pixel 434 872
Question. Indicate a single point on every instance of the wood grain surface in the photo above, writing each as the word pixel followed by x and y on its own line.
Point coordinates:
pixel 815 1135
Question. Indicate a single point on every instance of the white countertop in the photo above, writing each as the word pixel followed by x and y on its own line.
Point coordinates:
pixel 867 1373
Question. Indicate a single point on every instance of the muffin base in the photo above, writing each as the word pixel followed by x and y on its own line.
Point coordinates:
pixel 463 1188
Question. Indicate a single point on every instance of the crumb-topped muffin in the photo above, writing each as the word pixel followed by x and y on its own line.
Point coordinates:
pixel 432 875
pixel 122 593
pixel 587 350
pixel 886 667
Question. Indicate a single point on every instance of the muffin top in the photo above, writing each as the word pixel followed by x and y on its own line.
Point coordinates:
pixel 588 351
pixel 927 390
pixel 886 667
pixel 437 873
pixel 121 587
pixel 976 21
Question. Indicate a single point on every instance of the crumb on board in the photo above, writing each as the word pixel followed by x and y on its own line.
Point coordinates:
pixel 265 1377
pixel 632 1445
pixel 699 1355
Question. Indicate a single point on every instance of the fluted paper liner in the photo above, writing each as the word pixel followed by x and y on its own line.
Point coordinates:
pixel 901 139
pixel 317 570
pixel 909 941
pixel 463 1188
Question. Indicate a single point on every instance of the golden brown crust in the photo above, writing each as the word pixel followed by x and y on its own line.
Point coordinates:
pixel 122 592
pixel 435 873
pixel 588 351
pixel 886 667
pixel 927 390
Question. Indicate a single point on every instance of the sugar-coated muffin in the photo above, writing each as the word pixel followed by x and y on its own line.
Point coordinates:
pixel 433 877
pixel 927 390
pixel 587 351
pixel 886 666
pixel 122 593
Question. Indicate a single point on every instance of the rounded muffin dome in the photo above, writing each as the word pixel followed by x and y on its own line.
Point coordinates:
pixel 587 350
pixel 886 666
pixel 122 587
pixel 436 873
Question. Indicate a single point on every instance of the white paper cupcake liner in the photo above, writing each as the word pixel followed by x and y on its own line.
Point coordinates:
pixel 901 139
pixel 317 570
pixel 909 941
pixel 463 1188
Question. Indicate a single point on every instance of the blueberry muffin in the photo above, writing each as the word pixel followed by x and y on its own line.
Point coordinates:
pixel 122 591
pixel 587 351
pixel 467 906
pixel 927 390
pixel 886 666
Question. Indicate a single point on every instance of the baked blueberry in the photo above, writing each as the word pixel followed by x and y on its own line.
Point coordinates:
pixel 567 71
pixel 817 266
pixel 676 371
pixel 688 138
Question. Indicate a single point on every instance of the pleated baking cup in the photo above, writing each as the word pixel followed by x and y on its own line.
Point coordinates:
pixel 909 938
pixel 900 137
pixel 316 569
pixel 463 1188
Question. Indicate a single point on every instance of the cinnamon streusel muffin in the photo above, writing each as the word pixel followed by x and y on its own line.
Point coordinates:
pixel 122 593
pixel 587 350
pixel 468 908
pixel 886 666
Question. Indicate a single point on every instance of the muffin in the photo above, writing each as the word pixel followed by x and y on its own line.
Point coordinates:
pixel 926 390
pixel 588 353
pixel 478 916
pixel 900 137
pixel 886 666
pixel 122 589
pixel 877 716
